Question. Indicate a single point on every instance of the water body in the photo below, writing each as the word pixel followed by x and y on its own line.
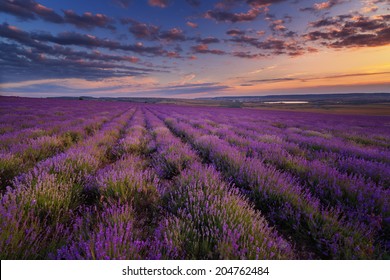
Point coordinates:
pixel 287 102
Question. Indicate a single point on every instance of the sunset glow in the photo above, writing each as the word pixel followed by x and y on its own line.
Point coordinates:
pixel 193 48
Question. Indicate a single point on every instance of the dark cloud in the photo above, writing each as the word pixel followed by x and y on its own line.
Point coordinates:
pixel 381 38
pixel 247 55
pixel 94 55
pixel 203 48
pixel 324 22
pixel 31 10
pixel 144 31
pixel 153 33
pixel 28 10
pixel 30 40
pixel 88 20
pixel 19 64
pixel 222 12
pixel 350 31
pixel 85 40
pixel 228 4
pixel 76 39
pixel 31 58
pixel 272 45
pixel 257 3
pixel 174 34
pixel 235 32
pixel 208 40
pixel 245 40
pixel 225 16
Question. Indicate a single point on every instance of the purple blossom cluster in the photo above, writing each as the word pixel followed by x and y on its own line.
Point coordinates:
pixel 57 127
pixel 206 218
pixel 363 205
pixel 139 181
pixel 48 196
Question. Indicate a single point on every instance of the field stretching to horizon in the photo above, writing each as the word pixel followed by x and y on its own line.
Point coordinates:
pixel 120 180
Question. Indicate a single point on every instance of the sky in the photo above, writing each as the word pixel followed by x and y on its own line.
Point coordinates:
pixel 193 48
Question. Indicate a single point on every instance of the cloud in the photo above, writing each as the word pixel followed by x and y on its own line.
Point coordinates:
pixel 174 34
pixel 329 77
pixel 275 80
pixel 323 6
pixel 151 32
pixel 203 48
pixel 76 39
pixel 21 64
pixel 271 45
pixel 158 3
pixel 228 4
pixel 222 12
pixel 94 55
pixel 245 40
pixel 88 20
pixel 28 10
pixel 31 10
pixel 278 25
pixel 261 3
pixel 224 16
pixel 235 32
pixel 25 38
pixel 208 40
pixel 192 88
pixel 114 86
pixel 350 31
pixel 247 55
pixel 192 24
pixel 351 75
pixel 144 31
pixel 371 5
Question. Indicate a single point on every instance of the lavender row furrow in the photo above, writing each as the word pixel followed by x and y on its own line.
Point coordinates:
pixel 360 199
pixel 206 218
pixel 41 143
pixel 311 133
pixel 47 118
pixel 44 200
pixel 283 201
pixel 263 132
pixel 25 156
pixel 115 225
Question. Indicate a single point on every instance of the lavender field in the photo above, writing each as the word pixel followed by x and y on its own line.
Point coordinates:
pixel 118 180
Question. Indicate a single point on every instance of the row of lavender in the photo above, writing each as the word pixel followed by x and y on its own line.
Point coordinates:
pixel 132 190
pixel 328 212
pixel 168 182
pixel 38 129
pixel 158 201
pixel 38 210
